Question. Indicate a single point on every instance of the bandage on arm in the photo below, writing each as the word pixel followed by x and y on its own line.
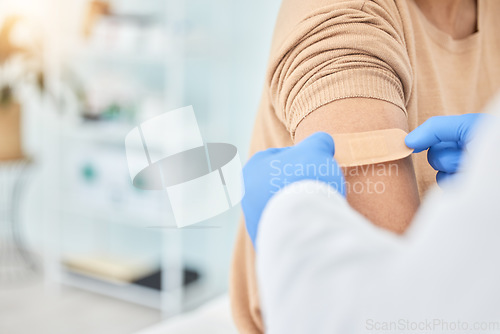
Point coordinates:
pixel 386 193
pixel 370 147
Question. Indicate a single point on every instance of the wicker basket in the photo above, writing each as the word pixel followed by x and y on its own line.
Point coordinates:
pixel 10 132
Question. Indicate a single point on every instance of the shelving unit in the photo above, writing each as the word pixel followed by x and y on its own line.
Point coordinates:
pixel 83 215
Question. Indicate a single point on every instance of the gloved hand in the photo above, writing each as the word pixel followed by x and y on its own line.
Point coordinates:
pixel 446 137
pixel 269 171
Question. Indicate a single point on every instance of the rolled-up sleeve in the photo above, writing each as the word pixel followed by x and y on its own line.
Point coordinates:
pixel 337 50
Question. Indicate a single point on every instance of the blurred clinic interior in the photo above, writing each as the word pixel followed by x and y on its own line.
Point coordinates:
pixel 83 250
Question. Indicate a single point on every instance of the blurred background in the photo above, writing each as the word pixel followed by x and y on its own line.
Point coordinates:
pixel 81 249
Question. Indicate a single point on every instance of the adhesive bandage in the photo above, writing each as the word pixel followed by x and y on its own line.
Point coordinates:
pixel 364 148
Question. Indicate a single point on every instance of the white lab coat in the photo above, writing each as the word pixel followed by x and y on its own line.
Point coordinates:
pixel 323 268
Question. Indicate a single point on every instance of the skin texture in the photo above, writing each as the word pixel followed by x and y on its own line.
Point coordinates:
pixel 457 18
pixel 385 193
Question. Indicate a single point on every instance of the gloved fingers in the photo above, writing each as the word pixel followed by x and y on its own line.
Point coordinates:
pixel 275 150
pixel 445 157
pixel 443 177
pixel 441 129
pixel 321 141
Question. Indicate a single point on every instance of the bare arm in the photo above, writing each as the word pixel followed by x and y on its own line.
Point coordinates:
pixel 385 193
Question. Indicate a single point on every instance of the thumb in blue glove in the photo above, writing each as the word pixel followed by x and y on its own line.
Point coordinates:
pixel 446 137
pixel 271 170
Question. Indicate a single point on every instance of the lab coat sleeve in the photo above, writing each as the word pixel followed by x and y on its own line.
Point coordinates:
pixel 313 254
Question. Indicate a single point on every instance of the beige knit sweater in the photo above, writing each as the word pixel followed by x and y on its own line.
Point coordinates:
pixel 325 50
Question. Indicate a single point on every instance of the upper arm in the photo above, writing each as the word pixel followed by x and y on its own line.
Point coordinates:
pixel 323 53
pixel 384 193
pixel 342 66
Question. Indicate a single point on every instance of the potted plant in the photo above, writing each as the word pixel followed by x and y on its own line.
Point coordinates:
pixel 19 65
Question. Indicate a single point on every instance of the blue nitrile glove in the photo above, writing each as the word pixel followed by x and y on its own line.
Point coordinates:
pixel 269 171
pixel 446 138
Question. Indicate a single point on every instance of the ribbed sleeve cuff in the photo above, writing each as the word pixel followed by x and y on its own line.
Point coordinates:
pixel 368 83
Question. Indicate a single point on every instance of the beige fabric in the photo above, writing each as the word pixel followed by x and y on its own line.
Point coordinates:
pixel 325 50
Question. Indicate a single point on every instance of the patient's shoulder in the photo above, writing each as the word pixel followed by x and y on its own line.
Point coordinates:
pixel 299 15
